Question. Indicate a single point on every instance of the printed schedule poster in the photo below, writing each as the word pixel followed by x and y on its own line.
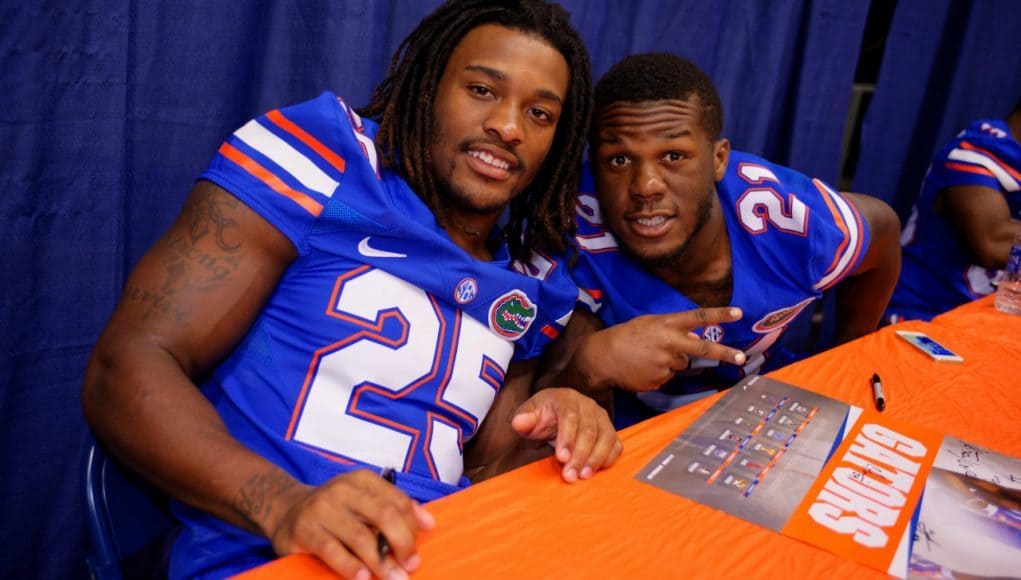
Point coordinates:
pixel 756 452
pixel 898 498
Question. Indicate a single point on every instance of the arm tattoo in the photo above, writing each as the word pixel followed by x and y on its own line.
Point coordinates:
pixel 156 301
pixel 209 216
pixel 255 498
pixel 211 269
pixel 191 265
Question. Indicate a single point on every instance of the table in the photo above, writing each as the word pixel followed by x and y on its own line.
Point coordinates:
pixel 528 523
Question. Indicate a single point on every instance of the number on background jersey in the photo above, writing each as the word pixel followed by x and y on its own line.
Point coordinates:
pixel 587 207
pixel 756 206
pixel 754 356
pixel 329 417
pixel 538 266
pixel 755 174
pixel 980 280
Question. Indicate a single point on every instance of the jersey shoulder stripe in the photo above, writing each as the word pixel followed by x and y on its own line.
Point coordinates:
pixel 293 162
pixel 966 168
pixel 299 151
pixel 270 179
pixel 1007 176
pixel 278 118
pixel 849 221
pixel 290 163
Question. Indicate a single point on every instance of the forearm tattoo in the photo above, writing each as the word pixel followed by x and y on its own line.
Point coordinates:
pixel 255 498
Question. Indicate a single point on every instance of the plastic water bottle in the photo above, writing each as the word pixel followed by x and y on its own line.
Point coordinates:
pixel 1008 295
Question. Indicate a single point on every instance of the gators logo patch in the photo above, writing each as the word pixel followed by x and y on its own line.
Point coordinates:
pixel 511 314
pixel 778 318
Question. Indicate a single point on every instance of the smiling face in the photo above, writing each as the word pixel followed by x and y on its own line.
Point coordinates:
pixel 497 107
pixel 655 168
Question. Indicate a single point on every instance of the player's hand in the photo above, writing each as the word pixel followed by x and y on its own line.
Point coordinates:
pixel 338 522
pixel 645 352
pixel 579 430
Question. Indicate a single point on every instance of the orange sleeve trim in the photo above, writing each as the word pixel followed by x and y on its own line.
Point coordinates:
pixel 550 331
pixel 969 169
pixel 325 152
pixel 1013 172
pixel 859 244
pixel 839 219
pixel 251 166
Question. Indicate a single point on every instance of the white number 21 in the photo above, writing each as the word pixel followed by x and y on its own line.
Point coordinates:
pixel 758 205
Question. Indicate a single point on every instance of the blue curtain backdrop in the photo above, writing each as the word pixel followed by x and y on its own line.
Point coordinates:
pixel 110 109
pixel 946 64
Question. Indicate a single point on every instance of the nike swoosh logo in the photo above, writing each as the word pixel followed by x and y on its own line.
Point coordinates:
pixel 369 252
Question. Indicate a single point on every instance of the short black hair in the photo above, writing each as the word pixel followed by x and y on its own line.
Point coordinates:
pixel 657 77
pixel 403 105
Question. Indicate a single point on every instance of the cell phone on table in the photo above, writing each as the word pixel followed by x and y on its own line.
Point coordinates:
pixel 929 346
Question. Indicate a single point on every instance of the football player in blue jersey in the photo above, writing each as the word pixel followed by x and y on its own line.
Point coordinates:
pixel 674 220
pixel 339 289
pixel 958 236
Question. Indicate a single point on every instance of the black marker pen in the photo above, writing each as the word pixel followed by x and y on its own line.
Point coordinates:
pixel 877 392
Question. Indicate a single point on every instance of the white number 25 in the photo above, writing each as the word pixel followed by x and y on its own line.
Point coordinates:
pixel 466 376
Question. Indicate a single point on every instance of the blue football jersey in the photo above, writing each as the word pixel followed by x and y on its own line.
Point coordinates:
pixel 384 344
pixel 791 238
pixel 937 274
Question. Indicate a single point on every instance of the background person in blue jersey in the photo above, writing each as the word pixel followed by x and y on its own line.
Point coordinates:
pixel 341 292
pixel 958 237
pixel 674 220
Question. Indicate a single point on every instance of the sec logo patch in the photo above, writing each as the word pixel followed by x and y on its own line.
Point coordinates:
pixel 713 333
pixel 466 290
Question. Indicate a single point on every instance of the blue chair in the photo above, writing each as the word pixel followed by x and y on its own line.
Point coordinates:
pixel 129 523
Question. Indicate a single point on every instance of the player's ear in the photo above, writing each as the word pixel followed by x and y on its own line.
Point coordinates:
pixel 721 156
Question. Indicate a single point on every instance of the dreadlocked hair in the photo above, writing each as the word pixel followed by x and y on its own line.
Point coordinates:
pixel 660 77
pixel 541 216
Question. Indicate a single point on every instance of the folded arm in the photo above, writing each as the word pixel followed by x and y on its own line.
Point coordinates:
pixel 981 219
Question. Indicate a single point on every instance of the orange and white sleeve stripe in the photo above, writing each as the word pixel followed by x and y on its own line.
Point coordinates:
pixel 974 159
pixel 849 221
pixel 295 165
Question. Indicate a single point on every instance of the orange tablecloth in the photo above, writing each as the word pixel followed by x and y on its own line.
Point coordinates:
pixel 530 524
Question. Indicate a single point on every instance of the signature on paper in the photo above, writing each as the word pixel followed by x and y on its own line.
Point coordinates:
pixel 969 459
pixel 925 532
